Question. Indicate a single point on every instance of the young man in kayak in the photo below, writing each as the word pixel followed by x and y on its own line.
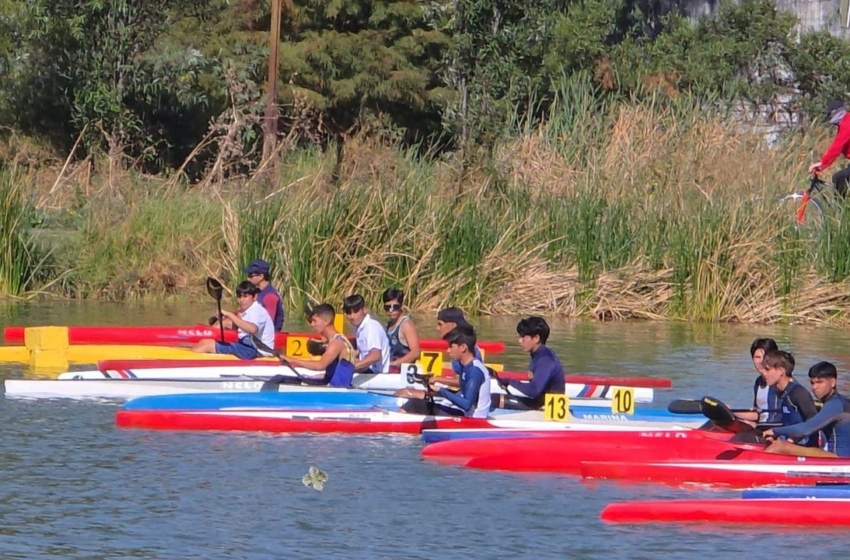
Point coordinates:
pixel 766 406
pixel 373 346
pixel 473 397
pixel 449 319
pixel 833 419
pixel 547 374
pixel 795 401
pixel 258 273
pixel 251 320
pixel 337 361
pixel 402 333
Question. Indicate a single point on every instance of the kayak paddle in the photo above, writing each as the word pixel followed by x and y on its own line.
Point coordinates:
pixel 723 416
pixel 694 406
pixel 215 289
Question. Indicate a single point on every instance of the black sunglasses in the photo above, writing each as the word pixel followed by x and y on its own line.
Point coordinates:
pixel 392 306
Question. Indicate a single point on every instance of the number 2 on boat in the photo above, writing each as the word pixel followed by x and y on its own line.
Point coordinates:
pixel 296 347
pixel 432 362
pixel 623 400
pixel 556 407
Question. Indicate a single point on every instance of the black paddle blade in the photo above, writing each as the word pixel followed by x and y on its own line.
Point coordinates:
pixel 717 411
pixel 214 288
pixel 685 406
pixel 315 347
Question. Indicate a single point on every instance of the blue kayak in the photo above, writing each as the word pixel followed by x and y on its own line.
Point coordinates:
pixel 827 491
pixel 319 399
pixel 350 399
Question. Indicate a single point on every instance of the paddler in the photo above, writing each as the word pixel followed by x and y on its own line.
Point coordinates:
pixel 259 274
pixel 795 401
pixel 402 333
pixel 473 397
pixel 337 361
pixel 546 372
pixel 833 419
pixel 252 319
pixel 448 319
pixel 766 406
pixel 373 346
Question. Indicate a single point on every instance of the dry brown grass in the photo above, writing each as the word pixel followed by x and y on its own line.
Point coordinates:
pixel 386 219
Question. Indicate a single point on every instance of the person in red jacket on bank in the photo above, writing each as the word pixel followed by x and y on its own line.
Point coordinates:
pixel 836 112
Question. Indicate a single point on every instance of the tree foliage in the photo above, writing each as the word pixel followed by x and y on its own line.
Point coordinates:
pixel 148 77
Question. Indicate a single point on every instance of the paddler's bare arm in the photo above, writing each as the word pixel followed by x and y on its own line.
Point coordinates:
pixel 751 415
pixel 373 357
pixel 333 350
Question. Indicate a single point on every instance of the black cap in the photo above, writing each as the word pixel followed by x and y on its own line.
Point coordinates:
pixel 452 315
pixel 257 266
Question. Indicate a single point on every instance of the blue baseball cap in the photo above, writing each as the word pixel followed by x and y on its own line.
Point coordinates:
pixel 257 266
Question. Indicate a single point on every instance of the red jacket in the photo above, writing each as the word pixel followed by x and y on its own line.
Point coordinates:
pixel 841 144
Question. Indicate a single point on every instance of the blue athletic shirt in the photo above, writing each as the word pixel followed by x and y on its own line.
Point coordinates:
pixel 474 394
pixel 797 407
pixel 340 372
pixel 397 347
pixel 833 419
pixel 456 367
pixel 547 376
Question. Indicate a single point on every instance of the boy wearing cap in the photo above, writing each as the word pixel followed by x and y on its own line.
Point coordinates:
pixel 252 320
pixel 449 319
pixel 258 272
pixel 836 113
pixel 833 419
pixel 373 346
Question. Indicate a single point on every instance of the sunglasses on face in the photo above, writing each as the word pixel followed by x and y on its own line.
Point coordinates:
pixel 392 306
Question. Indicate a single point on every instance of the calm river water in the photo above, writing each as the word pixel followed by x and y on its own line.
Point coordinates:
pixel 73 486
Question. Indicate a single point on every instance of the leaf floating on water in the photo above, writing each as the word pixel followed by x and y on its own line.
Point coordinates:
pixel 315 478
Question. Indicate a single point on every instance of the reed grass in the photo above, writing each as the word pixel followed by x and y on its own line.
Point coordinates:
pixel 610 208
pixel 18 264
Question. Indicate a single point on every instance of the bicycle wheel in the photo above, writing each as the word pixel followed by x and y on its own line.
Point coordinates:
pixel 808 217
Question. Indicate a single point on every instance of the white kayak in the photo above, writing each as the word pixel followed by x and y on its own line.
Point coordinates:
pixel 373 381
pixel 131 388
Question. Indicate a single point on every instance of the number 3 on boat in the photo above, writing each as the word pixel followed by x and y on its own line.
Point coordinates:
pixel 623 400
pixel 556 408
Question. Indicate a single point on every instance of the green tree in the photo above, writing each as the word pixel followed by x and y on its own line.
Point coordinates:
pixel 363 61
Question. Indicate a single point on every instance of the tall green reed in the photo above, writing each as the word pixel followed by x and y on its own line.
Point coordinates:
pixel 17 264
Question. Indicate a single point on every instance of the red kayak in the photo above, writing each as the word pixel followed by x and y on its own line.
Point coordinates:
pixel 595 385
pixel 291 421
pixel 174 336
pixel 564 452
pixel 750 469
pixel 762 512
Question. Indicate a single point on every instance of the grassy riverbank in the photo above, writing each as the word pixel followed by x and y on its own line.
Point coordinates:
pixel 615 211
